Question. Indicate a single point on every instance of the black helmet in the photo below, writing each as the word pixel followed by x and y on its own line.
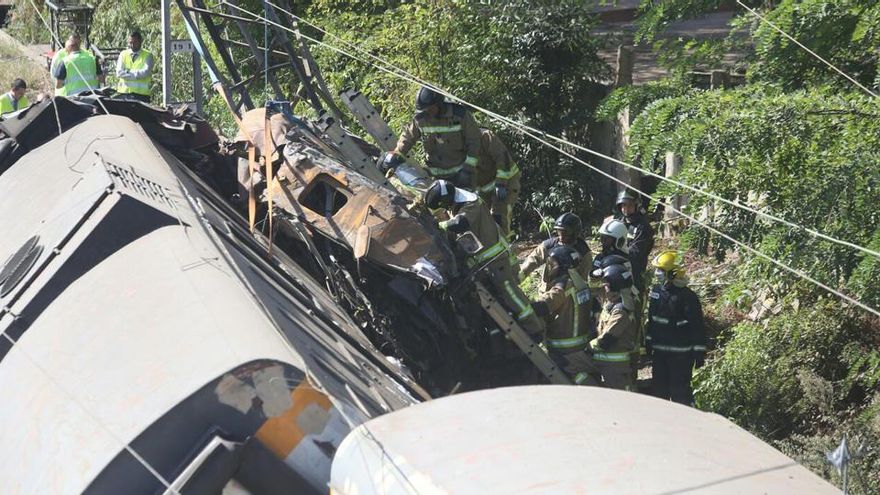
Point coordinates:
pixel 569 223
pixel 618 277
pixel 626 195
pixel 427 97
pixel 613 259
pixel 443 194
pixel 440 194
pixel 566 256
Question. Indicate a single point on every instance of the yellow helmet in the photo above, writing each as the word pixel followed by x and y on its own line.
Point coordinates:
pixel 668 261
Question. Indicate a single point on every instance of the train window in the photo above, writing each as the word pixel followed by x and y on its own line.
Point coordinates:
pixel 324 196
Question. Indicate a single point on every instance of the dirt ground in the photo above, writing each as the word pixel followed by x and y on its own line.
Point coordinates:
pixel 16 62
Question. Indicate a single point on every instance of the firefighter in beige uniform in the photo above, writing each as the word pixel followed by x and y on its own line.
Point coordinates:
pixel 568 233
pixel 565 306
pixel 497 180
pixel 450 136
pixel 468 214
pixel 617 329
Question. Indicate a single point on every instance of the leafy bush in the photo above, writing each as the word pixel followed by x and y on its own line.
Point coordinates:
pixel 776 152
pixel 534 61
pixel 791 373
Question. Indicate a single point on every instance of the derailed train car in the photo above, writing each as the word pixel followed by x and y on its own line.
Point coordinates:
pixel 149 343
pixel 381 257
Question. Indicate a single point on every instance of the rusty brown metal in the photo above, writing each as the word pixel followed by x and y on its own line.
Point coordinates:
pixel 323 192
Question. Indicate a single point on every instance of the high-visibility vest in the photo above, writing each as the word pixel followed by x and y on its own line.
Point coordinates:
pixel 140 86
pixel 81 69
pixel 8 105
pixel 57 60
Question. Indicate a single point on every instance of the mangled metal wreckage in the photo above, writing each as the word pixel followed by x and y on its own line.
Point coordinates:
pixel 187 350
pixel 380 252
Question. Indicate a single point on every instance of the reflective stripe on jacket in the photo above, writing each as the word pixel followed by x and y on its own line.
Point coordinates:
pixel 675 320
pixel 568 304
pixel 451 140
pixel 618 330
pixel 496 165
pixel 80 73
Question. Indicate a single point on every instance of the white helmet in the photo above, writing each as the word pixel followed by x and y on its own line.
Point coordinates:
pixel 617 230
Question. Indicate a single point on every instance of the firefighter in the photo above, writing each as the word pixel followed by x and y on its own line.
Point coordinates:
pixel 468 214
pixel 676 336
pixel 134 69
pixel 497 178
pixel 617 329
pixel 568 229
pixel 640 235
pixel 612 238
pixel 79 71
pixel 450 136
pixel 565 307
pixel 640 242
pixel 15 99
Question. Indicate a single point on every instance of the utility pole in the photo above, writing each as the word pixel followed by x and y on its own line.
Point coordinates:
pixel 166 52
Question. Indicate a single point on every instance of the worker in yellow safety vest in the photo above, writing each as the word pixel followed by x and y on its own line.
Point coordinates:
pixel 134 69
pixel 58 59
pixel 15 99
pixel 79 71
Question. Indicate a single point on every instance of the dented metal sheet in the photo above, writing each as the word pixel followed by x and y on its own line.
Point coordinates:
pixel 322 190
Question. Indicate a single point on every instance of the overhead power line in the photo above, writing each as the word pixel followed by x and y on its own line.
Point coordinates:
pixel 417 80
pixel 811 52
pixel 539 136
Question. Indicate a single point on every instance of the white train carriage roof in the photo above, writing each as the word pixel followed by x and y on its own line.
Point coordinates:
pixel 561 439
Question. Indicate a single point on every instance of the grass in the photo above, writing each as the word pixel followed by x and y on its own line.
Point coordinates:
pixel 15 63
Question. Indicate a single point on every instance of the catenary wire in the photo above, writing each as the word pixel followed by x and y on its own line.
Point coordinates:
pixel 536 134
pixel 417 80
pixel 811 52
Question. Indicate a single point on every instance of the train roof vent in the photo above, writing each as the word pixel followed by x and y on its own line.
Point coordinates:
pixel 19 264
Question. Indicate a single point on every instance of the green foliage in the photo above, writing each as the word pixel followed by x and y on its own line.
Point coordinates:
pixel 637 98
pixel 798 379
pixel 25 24
pixel 531 286
pixel 867 273
pixel 535 61
pixel 776 152
pixel 654 16
pixel 782 376
pixel 844 32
